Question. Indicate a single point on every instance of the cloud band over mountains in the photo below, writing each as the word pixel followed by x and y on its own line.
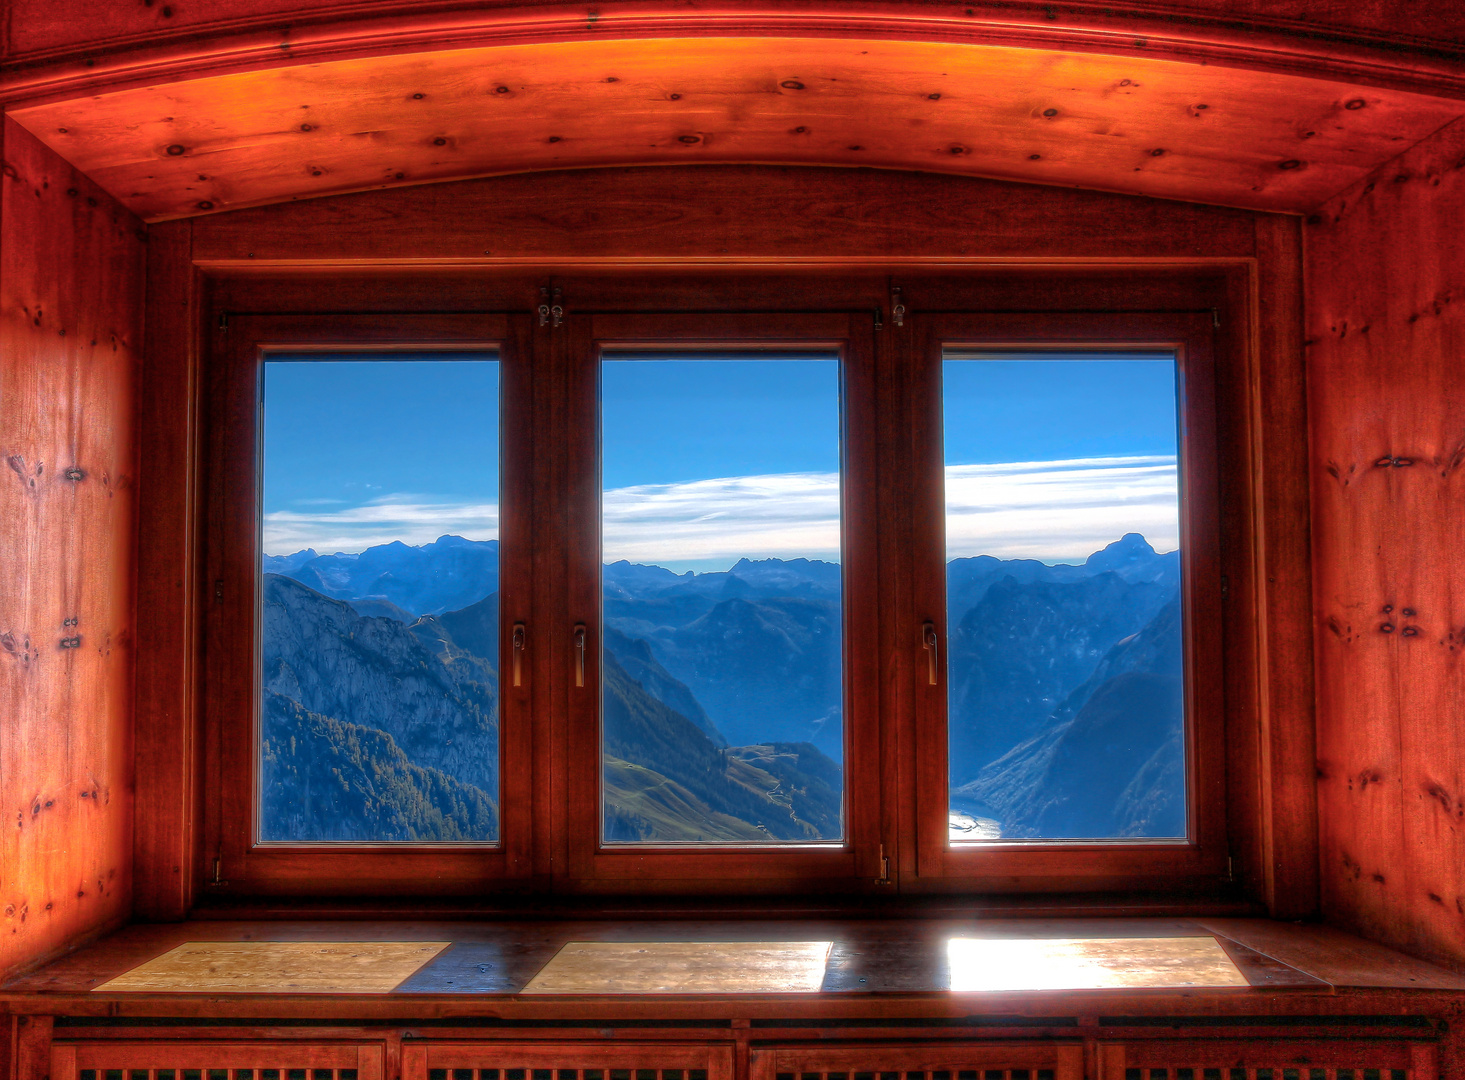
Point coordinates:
pixel 1057 511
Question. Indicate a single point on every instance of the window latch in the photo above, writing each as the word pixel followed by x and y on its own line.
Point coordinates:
pixel 884 878
pixel 579 654
pixel 897 306
pixel 928 642
pixel 518 646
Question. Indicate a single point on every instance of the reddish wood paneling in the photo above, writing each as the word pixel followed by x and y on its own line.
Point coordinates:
pixel 1200 132
pixel 1386 270
pixel 64 43
pixel 716 214
pixel 1281 587
pixel 169 806
pixel 39 26
pixel 71 278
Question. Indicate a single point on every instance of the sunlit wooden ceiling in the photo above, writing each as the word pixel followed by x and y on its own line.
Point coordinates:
pixel 1180 130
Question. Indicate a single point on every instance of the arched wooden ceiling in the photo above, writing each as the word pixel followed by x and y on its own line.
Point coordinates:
pixel 1182 130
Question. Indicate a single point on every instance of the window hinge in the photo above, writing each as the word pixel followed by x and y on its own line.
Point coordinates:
pixel 897 306
pixel 884 878
pixel 1215 318
pixel 223 320
pixel 879 319
pixel 1230 867
pixel 551 310
pixel 217 869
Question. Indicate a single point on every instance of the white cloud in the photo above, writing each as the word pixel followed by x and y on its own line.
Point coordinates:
pixel 782 514
pixel 408 518
pixel 1060 511
pixel 1057 511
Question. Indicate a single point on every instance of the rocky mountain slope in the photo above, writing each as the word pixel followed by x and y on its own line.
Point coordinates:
pixel 723 691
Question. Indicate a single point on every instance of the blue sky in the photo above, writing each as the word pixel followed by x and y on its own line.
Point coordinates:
pixel 347 438
pixel 705 460
pixel 1040 410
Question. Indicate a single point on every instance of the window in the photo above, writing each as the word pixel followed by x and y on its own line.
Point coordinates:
pixel 722 698
pixel 379 600
pixel 677 602
pixel 1066 691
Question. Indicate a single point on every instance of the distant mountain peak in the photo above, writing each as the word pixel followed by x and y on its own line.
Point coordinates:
pixel 449 540
pixel 1131 547
pixel 747 563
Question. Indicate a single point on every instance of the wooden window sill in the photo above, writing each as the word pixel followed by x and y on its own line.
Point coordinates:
pixel 893 969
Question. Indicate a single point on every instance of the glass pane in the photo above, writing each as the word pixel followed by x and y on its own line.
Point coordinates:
pixel 722 697
pixel 1065 670
pixel 380 614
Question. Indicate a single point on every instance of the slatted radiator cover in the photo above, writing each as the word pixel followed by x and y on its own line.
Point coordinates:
pixel 1140 1059
pixel 1049 1060
pixel 167 1059
pixel 566 1060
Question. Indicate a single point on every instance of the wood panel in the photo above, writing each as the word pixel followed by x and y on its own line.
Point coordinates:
pixel 71 274
pixel 994 1061
pixel 167 851
pixel 715 214
pixel 63 45
pixel 33 1047
pixel 1386 269
pixel 1281 585
pixel 1200 132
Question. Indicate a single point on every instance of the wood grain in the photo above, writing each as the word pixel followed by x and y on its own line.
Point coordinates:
pixel 1202 133
pixel 71 277
pixel 1386 266
pixel 712 214
pixel 167 850
pixel 1339 958
pixel 64 48
pixel 279 967
pixel 683 967
pixel 1281 583
pixel 1065 1061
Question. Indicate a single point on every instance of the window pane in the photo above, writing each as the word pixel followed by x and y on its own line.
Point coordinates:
pixel 380 614
pixel 722 697
pixel 1065 671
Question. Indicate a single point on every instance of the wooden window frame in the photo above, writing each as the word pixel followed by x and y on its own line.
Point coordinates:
pixel 1001 866
pixel 544 847
pixel 849 865
pixel 240 864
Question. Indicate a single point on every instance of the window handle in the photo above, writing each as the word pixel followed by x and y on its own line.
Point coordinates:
pixel 928 642
pixel 518 654
pixel 579 654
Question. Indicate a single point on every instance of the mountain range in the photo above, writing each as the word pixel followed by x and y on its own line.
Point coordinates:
pixel 723 695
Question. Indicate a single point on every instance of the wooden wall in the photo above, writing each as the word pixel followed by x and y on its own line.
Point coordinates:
pixel 71 290
pixel 1386 330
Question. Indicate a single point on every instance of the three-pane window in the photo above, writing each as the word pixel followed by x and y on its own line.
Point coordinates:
pixel 680 614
